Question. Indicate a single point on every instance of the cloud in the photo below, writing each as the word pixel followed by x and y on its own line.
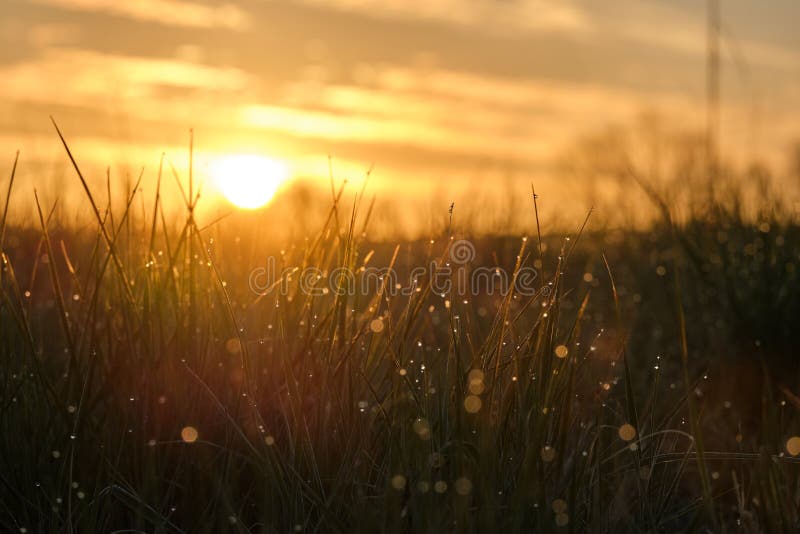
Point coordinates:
pixel 167 12
pixel 659 26
pixel 76 76
pixel 690 39
pixel 48 35
pixel 432 109
pixel 488 15
pixel 682 30
pixel 455 111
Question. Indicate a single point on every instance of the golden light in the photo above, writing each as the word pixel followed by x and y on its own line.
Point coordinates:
pixel 793 446
pixel 248 181
pixel 627 432
pixel 189 434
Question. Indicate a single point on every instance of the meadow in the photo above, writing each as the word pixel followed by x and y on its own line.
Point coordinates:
pixel 643 380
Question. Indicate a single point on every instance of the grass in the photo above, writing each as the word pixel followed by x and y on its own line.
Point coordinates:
pixel 146 387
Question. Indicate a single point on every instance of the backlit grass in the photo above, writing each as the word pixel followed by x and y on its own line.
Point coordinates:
pixel 145 386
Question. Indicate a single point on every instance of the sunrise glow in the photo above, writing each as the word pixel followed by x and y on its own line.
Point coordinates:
pixel 248 181
pixel 359 265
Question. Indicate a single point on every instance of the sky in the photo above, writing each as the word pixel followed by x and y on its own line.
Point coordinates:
pixel 435 96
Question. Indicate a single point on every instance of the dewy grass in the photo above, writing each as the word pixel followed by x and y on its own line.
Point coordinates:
pixel 152 390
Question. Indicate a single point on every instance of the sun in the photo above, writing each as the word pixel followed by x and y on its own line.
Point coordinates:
pixel 248 181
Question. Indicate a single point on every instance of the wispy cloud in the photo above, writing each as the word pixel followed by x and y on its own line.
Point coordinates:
pixel 489 15
pixel 659 26
pixel 430 109
pixel 439 109
pixel 689 38
pixel 167 12
pixel 73 76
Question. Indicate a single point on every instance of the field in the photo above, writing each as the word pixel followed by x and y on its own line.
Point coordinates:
pixel 163 378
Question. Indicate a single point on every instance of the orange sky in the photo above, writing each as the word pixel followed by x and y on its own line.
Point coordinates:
pixel 436 95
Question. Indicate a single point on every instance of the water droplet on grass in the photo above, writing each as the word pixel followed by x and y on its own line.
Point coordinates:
pixel 626 432
pixel 472 404
pixel 398 482
pixel 463 486
pixel 189 434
